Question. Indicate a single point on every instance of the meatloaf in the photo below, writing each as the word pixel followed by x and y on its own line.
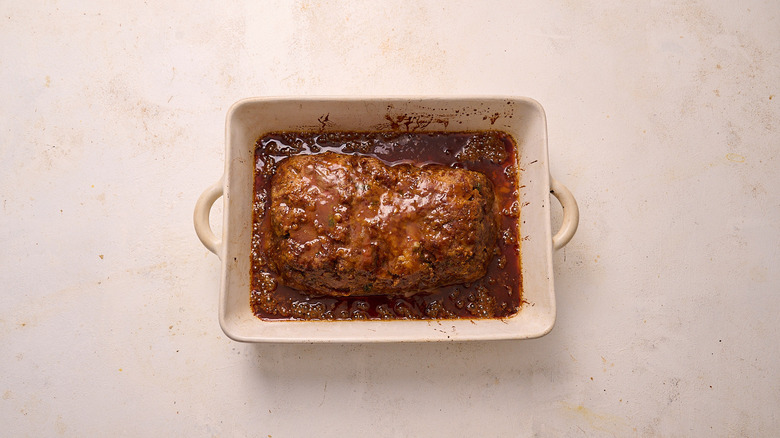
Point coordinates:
pixel 347 225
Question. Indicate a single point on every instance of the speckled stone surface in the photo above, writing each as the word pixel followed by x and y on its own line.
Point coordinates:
pixel 663 121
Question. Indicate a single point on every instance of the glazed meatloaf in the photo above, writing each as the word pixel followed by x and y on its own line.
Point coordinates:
pixel 346 225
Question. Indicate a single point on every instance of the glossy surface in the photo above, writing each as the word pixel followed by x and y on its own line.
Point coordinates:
pixel 376 206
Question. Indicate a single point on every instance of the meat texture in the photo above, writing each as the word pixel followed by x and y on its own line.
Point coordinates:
pixel 346 225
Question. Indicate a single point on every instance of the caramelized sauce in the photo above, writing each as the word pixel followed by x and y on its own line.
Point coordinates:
pixel 496 295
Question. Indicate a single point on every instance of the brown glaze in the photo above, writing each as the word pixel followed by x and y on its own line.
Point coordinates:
pixel 350 225
pixel 352 236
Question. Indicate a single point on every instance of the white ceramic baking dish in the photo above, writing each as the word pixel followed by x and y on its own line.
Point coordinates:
pixel 249 119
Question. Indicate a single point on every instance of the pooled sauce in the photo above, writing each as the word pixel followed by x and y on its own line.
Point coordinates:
pixel 496 295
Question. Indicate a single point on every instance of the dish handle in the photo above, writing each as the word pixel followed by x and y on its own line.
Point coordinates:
pixel 201 217
pixel 571 214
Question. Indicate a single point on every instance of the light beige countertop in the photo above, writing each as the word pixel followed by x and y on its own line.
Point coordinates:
pixel 663 120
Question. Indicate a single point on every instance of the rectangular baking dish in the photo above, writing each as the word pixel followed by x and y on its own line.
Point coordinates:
pixel 249 119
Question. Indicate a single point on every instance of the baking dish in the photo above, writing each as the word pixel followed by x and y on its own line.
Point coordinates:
pixel 523 118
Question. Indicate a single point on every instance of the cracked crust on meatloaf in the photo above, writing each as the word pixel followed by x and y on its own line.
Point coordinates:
pixel 347 225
